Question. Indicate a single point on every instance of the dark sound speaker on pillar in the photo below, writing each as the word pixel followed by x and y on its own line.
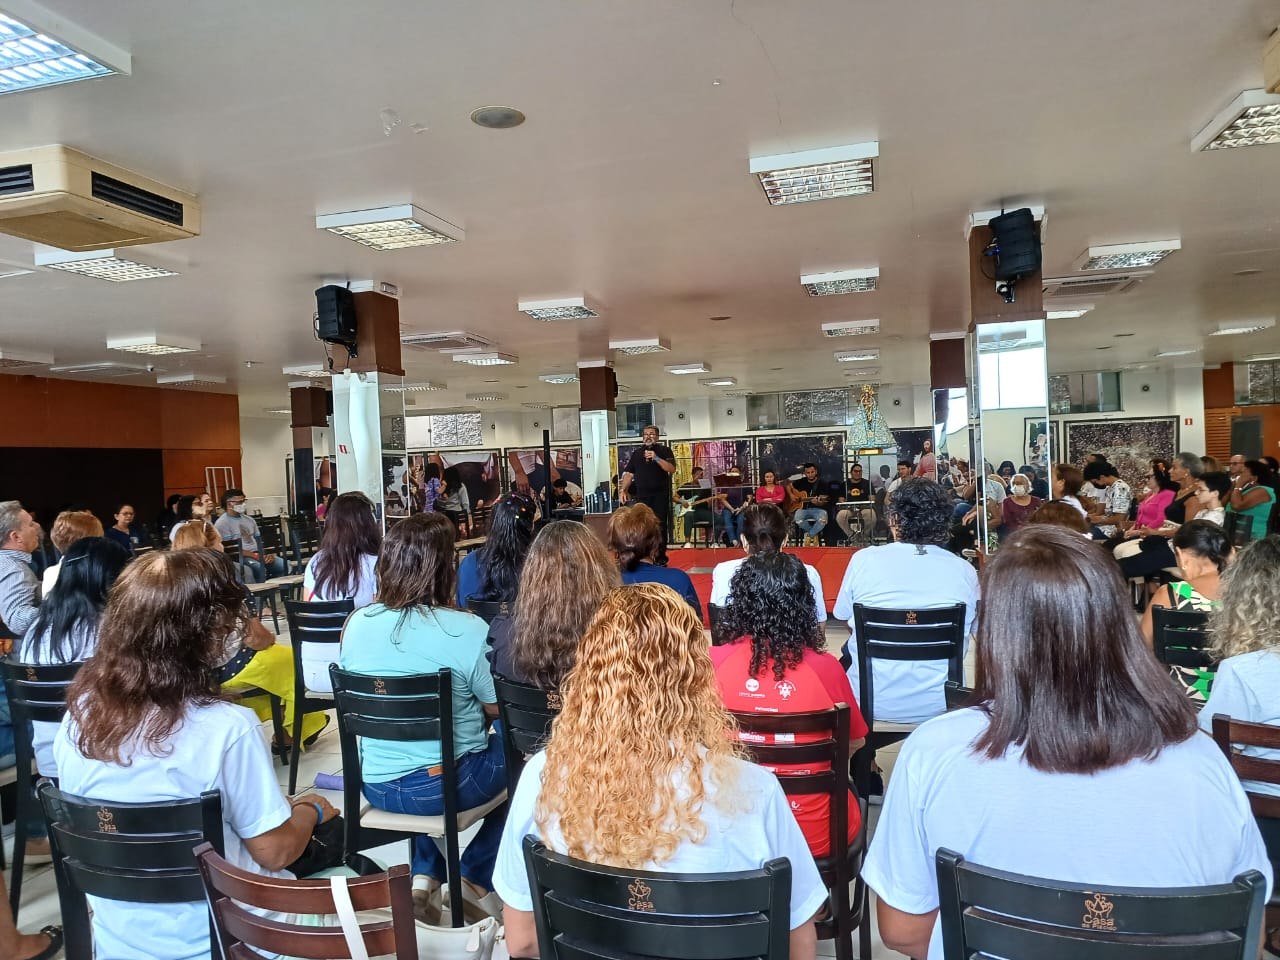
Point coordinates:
pixel 336 317
pixel 1015 247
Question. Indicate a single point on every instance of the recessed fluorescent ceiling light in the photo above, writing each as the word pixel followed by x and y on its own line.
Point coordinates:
pixel 826 174
pixel 30 58
pixel 421 387
pixel 719 382
pixel 1230 328
pixel 10 359
pixel 1126 256
pixel 636 347
pixel 569 308
pixel 190 379
pixel 479 359
pixel 1072 313
pixel 486 396
pixel 1251 119
pixel 680 369
pixel 841 281
pixel 154 345
pixel 864 372
pixel 315 371
pixel 535 405
pixel 1177 352
pixel 278 411
pixel 100 264
pixel 854 356
pixel 850 328
pixel 391 228
pixel 558 377
pixel 6 274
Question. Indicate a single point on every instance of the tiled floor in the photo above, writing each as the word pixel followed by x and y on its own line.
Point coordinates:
pixel 40 898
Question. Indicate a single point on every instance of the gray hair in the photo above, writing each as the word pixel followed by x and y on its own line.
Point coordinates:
pixel 1190 463
pixel 10 518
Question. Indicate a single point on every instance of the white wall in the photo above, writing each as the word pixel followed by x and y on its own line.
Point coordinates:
pixel 264 445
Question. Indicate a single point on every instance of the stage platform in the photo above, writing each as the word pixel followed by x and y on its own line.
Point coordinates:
pixel 830 562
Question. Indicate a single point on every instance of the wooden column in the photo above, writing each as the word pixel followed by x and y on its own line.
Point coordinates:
pixel 989 306
pixel 308 407
pixel 377 335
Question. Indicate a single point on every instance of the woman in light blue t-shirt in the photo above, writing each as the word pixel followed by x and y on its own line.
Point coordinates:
pixel 412 629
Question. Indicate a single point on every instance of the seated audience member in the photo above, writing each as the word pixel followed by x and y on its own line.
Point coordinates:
pixel 1039 485
pixel 770 490
pixel 412 629
pixel 1152 553
pixel 1115 496
pixel 914 572
pixel 493 571
pixel 857 489
pixel 146 723
pixel 236 524
pixel 1151 516
pixel 1252 496
pixel 1073 722
pixel 699 497
pixel 1018 507
pixel 189 509
pixel 68 527
pixel 664 789
pixel 19 586
pixel 126 532
pixel 66 631
pixel 635 537
pixel 777 663
pixel 342 569
pixel 764 530
pixel 1067 481
pixel 454 501
pixel 565 578
pixel 253 658
pixel 169 515
pixel 1061 513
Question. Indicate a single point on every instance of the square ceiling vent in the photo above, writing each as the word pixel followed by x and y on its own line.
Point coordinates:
pixel 1094 286
pixel 452 340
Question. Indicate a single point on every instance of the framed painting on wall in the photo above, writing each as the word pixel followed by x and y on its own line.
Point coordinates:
pixel 1128 444
pixel 1041 442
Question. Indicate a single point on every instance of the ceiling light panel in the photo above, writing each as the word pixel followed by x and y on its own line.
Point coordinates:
pixel 14 359
pixel 850 328
pixel 1177 352
pixel 315 371
pixel 1229 328
pixel 100 264
pixel 1252 119
pixel 154 345
pixel 841 282
pixel 1068 313
pixel 190 379
pixel 6 274
pixel 827 174
pixel 479 397
pixel 391 228
pixel 1126 256
pixel 719 382
pixel 636 347
pixel 425 386
pixel 536 405
pixel 30 59
pixel 569 308
pixel 682 369
pixel 481 359
pixel 558 378
pixel 857 356
pixel 863 372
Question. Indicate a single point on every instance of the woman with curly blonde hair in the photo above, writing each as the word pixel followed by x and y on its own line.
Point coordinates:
pixel 639 772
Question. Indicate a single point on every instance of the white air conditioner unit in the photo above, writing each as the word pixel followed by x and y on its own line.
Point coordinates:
pixel 1094 286
pixel 453 340
pixel 66 199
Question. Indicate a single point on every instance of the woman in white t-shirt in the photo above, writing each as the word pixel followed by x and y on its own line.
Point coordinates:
pixel 342 569
pixel 764 530
pixel 665 789
pixel 146 723
pixel 1080 762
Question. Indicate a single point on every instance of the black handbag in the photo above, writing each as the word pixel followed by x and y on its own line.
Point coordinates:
pixel 324 849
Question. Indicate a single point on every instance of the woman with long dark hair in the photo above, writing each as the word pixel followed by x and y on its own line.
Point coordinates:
pixel 778 643
pixel 146 722
pixel 764 530
pixel 66 629
pixel 454 501
pixel 343 567
pixel 493 571
pixel 413 628
pixel 1078 760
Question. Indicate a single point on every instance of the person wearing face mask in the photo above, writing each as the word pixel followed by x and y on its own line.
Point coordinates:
pixel 1018 507
pixel 236 524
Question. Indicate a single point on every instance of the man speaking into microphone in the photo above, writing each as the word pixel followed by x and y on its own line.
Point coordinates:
pixel 647 479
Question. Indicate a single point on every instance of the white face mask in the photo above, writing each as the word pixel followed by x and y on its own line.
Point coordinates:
pixel 1020 490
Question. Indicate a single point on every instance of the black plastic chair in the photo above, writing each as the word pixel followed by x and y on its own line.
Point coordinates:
pixel 913 635
pixel 36 693
pixel 131 852
pixel 828 758
pixel 407 709
pixel 304 541
pixel 715 618
pixel 319 621
pixel 991 912
pixel 956 695
pixel 526 713
pixel 583 910
pixel 1180 638
pixel 489 610
pixel 1239 528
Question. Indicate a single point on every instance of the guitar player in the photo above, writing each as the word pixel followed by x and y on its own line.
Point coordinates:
pixel 696 496
pixel 817 497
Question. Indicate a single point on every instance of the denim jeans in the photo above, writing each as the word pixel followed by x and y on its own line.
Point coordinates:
pixel 811 520
pixel 481 777
pixel 731 525
pixel 260 572
pixel 8 758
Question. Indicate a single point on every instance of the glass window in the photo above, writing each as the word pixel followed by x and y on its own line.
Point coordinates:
pixel 1010 379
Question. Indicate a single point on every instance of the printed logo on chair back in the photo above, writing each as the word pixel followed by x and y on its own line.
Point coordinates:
pixel 504 608
pixel 1097 914
pixel 106 821
pixel 31 673
pixel 639 899
pixel 379 686
pixel 554 702
pixel 911 618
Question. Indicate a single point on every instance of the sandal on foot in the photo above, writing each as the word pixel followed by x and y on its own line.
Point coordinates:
pixel 54 933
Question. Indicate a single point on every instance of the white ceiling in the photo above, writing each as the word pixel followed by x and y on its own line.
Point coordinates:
pixel 629 181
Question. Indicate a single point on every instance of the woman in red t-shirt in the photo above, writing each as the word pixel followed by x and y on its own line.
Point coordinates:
pixel 778 664
pixel 771 491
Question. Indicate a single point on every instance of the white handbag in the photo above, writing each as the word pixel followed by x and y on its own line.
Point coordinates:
pixel 472 942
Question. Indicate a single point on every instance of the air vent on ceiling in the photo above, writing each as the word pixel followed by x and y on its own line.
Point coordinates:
pixel 454 340
pixel 76 202
pixel 108 369
pixel 1094 286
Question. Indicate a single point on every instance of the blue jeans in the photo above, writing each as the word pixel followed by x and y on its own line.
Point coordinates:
pixel 732 525
pixel 261 572
pixel 481 777
pixel 811 520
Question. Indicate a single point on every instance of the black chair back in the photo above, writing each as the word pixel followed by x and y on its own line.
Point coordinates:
pixel 991 912
pixel 956 695
pixel 526 712
pixel 1239 528
pixel 715 617
pixel 489 610
pixel 132 852
pixel 317 621
pixel 304 540
pixel 271 531
pixel 590 912
pixel 1180 638
pixel 883 634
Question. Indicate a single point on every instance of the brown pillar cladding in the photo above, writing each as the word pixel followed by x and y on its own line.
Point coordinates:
pixel 946 364
pixel 377 335
pixel 308 407
pixel 988 306
pixel 597 387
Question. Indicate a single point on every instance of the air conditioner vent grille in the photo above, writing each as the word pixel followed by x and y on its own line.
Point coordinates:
pixel 136 199
pixel 1094 286
pixel 19 179
pixel 454 340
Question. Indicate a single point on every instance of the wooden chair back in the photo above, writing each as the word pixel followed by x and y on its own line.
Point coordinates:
pixel 1229 734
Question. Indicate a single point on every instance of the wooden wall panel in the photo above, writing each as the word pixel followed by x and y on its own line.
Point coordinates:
pixel 1219 386
pixel 191 420
pixel 184 469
